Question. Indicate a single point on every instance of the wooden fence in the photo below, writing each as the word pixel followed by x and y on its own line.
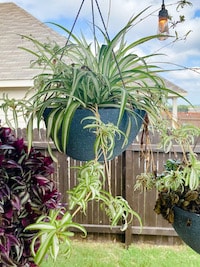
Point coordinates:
pixel 124 170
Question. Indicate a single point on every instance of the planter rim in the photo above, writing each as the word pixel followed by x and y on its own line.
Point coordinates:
pixel 190 213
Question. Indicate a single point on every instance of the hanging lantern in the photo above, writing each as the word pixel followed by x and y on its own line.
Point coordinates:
pixel 163 28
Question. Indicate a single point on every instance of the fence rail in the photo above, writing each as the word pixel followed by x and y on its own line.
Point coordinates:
pixel 124 170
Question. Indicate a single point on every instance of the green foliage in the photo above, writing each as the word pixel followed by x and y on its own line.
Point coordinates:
pixel 183 135
pixel 180 172
pixel 189 168
pixel 179 182
pixel 182 4
pixel 73 77
pixel 172 177
pixel 183 108
pixel 191 172
pixel 105 135
pixel 117 209
pixel 53 231
pixel 91 177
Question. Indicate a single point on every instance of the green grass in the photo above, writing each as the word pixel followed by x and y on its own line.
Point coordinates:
pixel 91 254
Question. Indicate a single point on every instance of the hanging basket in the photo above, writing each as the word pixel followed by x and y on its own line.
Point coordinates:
pixel 80 144
pixel 187 226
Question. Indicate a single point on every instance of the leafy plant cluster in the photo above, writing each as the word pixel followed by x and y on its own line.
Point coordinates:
pixel 75 76
pixel 180 194
pixel 106 135
pixel 26 193
pixel 56 228
pixel 179 183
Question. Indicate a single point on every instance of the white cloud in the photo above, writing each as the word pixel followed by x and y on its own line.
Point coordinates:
pixel 183 53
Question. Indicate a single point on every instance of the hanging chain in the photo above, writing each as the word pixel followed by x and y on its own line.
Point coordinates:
pixel 70 33
pixel 107 35
pixel 94 32
pixel 93 27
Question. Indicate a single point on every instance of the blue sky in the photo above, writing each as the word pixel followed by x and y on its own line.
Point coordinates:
pixel 185 53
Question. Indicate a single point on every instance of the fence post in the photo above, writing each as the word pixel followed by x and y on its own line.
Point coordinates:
pixel 128 189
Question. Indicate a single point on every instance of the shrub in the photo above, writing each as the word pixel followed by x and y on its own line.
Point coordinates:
pixel 26 192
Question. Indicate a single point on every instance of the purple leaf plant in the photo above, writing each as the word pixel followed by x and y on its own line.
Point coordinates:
pixel 26 192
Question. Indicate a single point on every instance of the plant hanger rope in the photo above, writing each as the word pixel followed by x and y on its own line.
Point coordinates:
pixel 74 23
pixel 93 26
pixel 93 21
pixel 94 31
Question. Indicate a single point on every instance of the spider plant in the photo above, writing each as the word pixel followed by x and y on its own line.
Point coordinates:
pixel 76 75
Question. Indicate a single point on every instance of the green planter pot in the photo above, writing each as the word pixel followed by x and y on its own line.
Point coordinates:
pixel 81 141
pixel 187 226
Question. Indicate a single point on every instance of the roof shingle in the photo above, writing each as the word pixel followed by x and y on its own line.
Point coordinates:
pixel 14 21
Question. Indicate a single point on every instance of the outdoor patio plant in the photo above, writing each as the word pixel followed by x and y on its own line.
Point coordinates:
pixel 178 185
pixel 80 76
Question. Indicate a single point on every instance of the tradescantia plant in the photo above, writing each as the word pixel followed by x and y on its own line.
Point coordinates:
pixel 26 193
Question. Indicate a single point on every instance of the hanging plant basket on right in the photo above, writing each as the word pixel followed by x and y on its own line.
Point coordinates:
pixel 187 226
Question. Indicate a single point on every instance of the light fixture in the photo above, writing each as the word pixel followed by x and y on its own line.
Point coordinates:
pixel 163 28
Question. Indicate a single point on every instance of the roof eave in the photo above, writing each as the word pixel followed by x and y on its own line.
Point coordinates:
pixel 16 83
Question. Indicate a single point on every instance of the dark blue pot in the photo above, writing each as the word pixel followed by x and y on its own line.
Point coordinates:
pixel 187 226
pixel 81 141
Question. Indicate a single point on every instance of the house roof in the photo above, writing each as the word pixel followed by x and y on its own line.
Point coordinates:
pixel 174 88
pixel 15 68
pixel 15 71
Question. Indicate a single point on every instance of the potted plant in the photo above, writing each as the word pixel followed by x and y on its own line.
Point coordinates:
pixel 178 185
pixel 79 81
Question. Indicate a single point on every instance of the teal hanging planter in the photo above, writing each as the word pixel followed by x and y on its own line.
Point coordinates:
pixel 187 226
pixel 80 145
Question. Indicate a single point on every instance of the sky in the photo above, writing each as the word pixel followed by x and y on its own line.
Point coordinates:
pixel 181 58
